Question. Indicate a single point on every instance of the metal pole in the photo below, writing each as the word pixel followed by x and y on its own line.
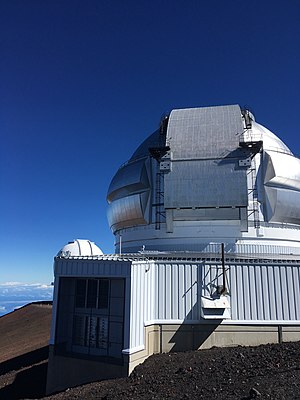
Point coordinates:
pixel 224 290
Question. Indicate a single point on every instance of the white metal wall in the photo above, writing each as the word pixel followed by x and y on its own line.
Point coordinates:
pixel 170 291
pixel 258 293
pixel 265 292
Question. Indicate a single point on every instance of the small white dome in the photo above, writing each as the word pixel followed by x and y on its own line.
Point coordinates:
pixel 80 247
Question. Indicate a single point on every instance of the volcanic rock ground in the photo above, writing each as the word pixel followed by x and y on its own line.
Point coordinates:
pixel 266 372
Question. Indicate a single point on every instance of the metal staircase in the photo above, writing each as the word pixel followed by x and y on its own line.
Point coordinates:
pixel 160 213
pixel 254 146
pixel 253 193
pixel 157 153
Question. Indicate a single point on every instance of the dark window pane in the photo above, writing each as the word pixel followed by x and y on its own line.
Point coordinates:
pixel 80 292
pixel 92 293
pixel 103 293
pixel 102 339
pixel 93 331
pixel 79 328
pixel 87 331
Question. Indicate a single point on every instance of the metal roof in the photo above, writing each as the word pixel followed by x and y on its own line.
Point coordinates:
pixel 188 256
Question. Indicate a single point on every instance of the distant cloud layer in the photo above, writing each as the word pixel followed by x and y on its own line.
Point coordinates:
pixel 17 294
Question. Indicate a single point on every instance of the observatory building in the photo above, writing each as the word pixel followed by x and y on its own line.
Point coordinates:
pixel 206 219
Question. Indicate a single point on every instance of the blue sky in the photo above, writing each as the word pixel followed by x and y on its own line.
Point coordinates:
pixel 82 83
pixel 16 294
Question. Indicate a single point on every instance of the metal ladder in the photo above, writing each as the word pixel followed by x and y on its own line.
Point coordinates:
pixel 160 214
pixel 253 190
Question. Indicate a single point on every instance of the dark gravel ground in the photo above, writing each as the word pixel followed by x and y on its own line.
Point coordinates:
pixel 265 372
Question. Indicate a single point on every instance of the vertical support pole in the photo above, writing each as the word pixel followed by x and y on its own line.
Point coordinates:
pixel 280 334
pixel 160 339
pixel 224 290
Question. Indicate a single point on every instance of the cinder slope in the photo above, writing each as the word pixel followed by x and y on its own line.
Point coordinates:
pixel 24 330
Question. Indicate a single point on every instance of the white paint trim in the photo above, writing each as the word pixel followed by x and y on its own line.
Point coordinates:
pixel 223 322
pixel 133 350
pixel 54 312
pixel 260 322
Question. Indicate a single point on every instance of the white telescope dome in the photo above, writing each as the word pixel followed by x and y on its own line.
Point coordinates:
pixel 207 176
pixel 80 247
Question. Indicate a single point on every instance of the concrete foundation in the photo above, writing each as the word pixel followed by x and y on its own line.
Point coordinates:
pixel 194 337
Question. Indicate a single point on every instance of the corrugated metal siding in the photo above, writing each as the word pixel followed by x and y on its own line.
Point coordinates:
pixel 257 292
pixel 265 292
pixel 175 291
pixel 65 267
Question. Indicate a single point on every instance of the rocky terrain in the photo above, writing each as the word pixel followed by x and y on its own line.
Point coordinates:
pixel 266 372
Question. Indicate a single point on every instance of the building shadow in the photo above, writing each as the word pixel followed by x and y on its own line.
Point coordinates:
pixel 192 336
pixel 24 360
pixel 30 380
pixel 28 384
pixel 195 330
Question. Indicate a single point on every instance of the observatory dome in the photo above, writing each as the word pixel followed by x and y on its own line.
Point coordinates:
pixel 80 247
pixel 207 176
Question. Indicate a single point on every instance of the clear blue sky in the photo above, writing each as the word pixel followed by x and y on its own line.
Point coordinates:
pixel 82 83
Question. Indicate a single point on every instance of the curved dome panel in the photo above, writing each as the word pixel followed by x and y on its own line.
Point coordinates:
pixel 128 195
pixel 131 178
pixel 282 187
pixel 283 171
pixel 128 211
pixel 270 141
pixel 143 150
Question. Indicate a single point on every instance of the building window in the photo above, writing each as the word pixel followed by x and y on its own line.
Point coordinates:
pixel 90 331
pixel 103 293
pixel 80 293
pixel 90 318
pixel 92 289
pixel 92 293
